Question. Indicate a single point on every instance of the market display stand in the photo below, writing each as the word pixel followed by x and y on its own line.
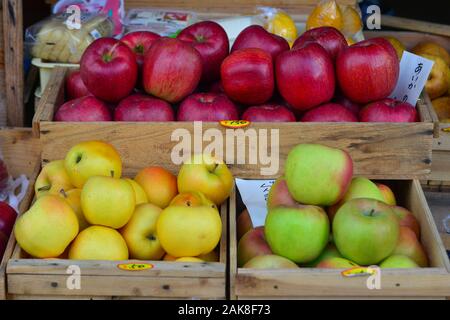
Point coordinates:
pixel 21 153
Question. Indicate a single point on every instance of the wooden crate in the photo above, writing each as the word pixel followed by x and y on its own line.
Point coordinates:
pixel 306 283
pixel 402 149
pixel 21 153
pixel 46 278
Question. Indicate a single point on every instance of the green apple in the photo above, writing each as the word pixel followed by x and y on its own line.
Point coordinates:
pixel 408 245
pixel 399 261
pixel 336 263
pixel 329 252
pixel 365 231
pixel 92 158
pixel 208 175
pixel 317 174
pixel 359 188
pixel 108 201
pixel 299 233
pixel 270 262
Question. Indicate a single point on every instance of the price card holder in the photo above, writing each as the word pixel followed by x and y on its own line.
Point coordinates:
pixel 414 71
pixel 254 194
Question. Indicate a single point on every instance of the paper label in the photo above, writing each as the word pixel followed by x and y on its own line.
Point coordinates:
pixel 254 194
pixel 414 71
pixel 135 266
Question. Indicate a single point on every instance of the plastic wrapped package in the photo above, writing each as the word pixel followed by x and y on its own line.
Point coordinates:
pixel 278 22
pixel 12 191
pixel 114 9
pixel 56 40
pixel 164 22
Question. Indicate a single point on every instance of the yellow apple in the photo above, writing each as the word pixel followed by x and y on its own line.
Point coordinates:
pixel 92 158
pixel 47 228
pixel 98 243
pixel 140 233
pixel 52 178
pixel 432 48
pixel 438 80
pixel 159 185
pixel 442 107
pixel 108 201
pixel 213 256
pixel 398 46
pixel 189 259
pixel 208 175
pixel 73 198
pixel 141 196
pixel 189 229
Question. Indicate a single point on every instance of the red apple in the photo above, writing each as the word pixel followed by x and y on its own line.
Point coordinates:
pixel 329 112
pixel 109 69
pixel 7 218
pixel 305 76
pixel 347 103
pixel 331 39
pixel 3 244
pixel 75 87
pixel 247 76
pixel 172 70
pixel 211 41
pixel 216 87
pixel 269 113
pixel 207 107
pixel 257 37
pixel 140 107
pixel 83 109
pixel 140 42
pixel 244 224
pixel 388 110
pixel 252 244
pixel 368 70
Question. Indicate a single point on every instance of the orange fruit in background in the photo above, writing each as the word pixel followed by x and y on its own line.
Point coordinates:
pixel 326 14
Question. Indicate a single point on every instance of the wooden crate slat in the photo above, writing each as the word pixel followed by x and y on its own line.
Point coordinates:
pixel 95 285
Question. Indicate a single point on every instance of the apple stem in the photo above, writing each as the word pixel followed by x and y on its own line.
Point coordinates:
pixel 372 211
pixel 112 173
pixel 44 188
pixel 63 193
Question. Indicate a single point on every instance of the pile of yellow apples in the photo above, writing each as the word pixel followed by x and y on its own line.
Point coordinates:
pixel 85 210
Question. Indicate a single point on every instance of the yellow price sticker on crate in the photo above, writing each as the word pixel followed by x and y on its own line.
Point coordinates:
pixel 135 266
pixel 358 272
pixel 235 124
pixel 446 129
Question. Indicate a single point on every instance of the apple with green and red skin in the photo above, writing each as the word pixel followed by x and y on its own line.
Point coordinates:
pixel 247 76
pixel 84 109
pixel 252 244
pixel 331 39
pixel 140 42
pixel 329 252
pixel 336 263
pixel 407 219
pixel 305 76
pixel 368 70
pixel 109 69
pixel 271 261
pixel 75 87
pixel 207 107
pixel 409 245
pixel 329 112
pixel 387 194
pixel 255 36
pixel 318 175
pixel 268 113
pixel 211 41
pixel 140 107
pixel 298 233
pixel 172 70
pixel 360 187
pixel 388 110
pixel 244 224
pixel 398 261
pixel 279 195
pixel 365 231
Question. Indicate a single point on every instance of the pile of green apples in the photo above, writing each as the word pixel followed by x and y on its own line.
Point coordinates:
pixel 320 216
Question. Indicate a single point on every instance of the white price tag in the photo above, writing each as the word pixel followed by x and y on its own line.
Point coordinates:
pixel 414 71
pixel 254 194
